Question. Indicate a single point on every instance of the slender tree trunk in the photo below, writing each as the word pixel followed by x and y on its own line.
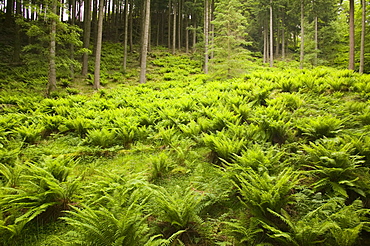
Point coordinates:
pixel 169 24
pixel 52 80
pixel 174 28
pixel 363 30
pixel 195 33
pixel 351 64
pixel 179 25
pixel 72 48
pixel 265 50
pixel 206 35
pixel 316 41
pixel 17 40
pixel 125 38
pixel 212 27
pixel 144 45
pixel 94 22
pixel 302 36
pixel 131 25
pixel 277 46
pixel 186 34
pixel 271 37
pixel 9 12
pixel 98 46
pixel 86 36
pixel 283 39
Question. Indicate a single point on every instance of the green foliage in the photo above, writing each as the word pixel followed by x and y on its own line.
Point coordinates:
pixel 161 165
pixel 35 192
pixel 262 193
pixel 178 210
pixel 321 126
pixel 335 167
pixel 229 55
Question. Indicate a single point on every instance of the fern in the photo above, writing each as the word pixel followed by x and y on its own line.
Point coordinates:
pixel 179 209
pixel 261 192
pixel 319 127
pixel 223 146
pixel 334 166
pixel 161 165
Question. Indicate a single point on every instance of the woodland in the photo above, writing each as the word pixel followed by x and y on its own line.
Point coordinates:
pixel 184 122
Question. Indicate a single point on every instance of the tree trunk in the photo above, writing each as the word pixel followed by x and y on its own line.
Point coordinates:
pixel 144 45
pixel 98 46
pixel 169 24
pixel 195 33
pixel 72 48
pixel 17 39
pixel 316 41
pixel 363 30
pixel 94 22
pixel 351 64
pixel 265 40
pixel 271 37
pixel 174 29
pixel 206 35
pixel 9 12
pixel 52 79
pixel 131 26
pixel 125 38
pixel 86 37
pixel 302 36
pixel 283 40
pixel 179 25
pixel 186 34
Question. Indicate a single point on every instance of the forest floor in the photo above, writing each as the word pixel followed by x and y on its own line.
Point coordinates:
pixel 277 156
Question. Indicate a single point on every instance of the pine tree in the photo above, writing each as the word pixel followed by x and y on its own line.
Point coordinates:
pixel 229 43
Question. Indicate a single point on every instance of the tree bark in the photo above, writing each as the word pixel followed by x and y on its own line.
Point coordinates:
pixel 169 23
pixel 186 34
pixel 125 38
pixel 52 78
pixel 265 40
pixel 283 40
pixel 302 36
pixel 72 48
pixel 351 63
pixel 174 29
pixel 271 37
pixel 316 41
pixel 195 33
pixel 17 30
pixel 98 46
pixel 206 35
pixel 144 45
pixel 363 30
pixel 179 25
pixel 86 36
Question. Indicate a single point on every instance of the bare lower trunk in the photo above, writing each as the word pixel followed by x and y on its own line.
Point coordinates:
pixel 206 35
pixel 86 36
pixel 351 64
pixel 302 36
pixel 316 41
pixel 363 30
pixel 145 39
pixel 174 29
pixel 271 38
pixel 52 80
pixel 125 38
pixel 98 46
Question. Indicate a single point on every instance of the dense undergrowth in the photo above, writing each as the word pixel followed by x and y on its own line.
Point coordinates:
pixel 277 157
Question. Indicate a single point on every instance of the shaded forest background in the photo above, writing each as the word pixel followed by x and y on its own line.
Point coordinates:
pixel 59 39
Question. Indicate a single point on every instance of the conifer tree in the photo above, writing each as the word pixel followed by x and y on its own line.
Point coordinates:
pixel 229 43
